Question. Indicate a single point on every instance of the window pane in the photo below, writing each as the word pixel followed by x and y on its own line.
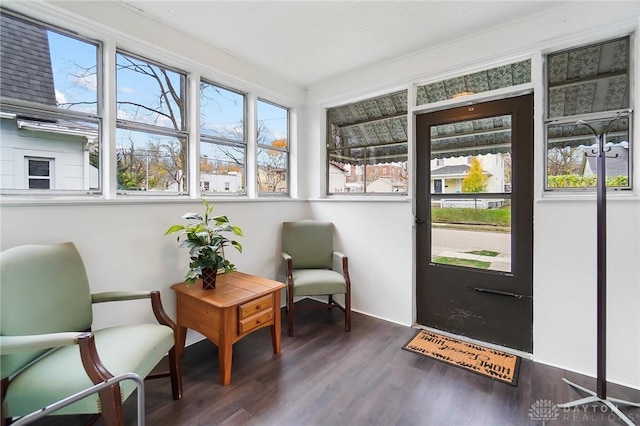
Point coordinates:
pixel 589 79
pixel 272 170
pixel 39 168
pixel 273 146
pixel 588 84
pixel 151 162
pixel 46 67
pixel 570 154
pixel 367 146
pixel 221 168
pixel 39 184
pixel 374 169
pixel 482 81
pixel 221 112
pixel 149 94
pixel 273 125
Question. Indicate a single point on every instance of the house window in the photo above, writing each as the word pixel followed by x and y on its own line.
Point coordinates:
pixel 590 84
pixel 151 136
pixel 39 173
pixel 367 146
pixel 273 148
pixel 49 81
pixel 223 140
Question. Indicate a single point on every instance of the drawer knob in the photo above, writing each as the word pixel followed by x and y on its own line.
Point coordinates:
pixel 258 306
pixel 259 321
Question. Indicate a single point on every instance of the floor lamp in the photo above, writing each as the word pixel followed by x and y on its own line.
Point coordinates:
pixel 601 207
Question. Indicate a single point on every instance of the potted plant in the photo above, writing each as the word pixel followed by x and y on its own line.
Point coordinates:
pixel 206 238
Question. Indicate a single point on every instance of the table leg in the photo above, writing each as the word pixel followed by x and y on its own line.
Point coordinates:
pixel 276 328
pixel 225 348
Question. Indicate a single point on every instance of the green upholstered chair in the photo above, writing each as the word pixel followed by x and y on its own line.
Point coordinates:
pixel 309 256
pixel 47 348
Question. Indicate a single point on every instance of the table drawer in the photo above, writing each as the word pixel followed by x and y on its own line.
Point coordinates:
pixel 253 322
pixel 255 306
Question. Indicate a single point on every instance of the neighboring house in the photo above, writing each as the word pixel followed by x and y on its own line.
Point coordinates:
pixel 231 182
pixel 385 177
pixel 447 173
pixel 386 184
pixel 40 155
pixel 617 160
pixel 272 179
pixel 37 153
pixel 337 178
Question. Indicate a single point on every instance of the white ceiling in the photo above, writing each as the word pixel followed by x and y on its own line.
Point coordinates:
pixel 309 41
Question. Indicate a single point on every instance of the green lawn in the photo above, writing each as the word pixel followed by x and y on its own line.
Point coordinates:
pixel 484 252
pixel 494 217
pixel 461 262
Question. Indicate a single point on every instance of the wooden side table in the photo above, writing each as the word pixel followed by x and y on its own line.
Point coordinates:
pixel 240 304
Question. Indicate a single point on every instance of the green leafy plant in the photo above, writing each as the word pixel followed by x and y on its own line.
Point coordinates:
pixel 206 239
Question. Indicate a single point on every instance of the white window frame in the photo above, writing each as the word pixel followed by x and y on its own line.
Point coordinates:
pixel 286 150
pixel 49 177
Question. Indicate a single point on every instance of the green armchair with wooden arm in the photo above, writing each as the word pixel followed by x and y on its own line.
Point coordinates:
pixel 309 255
pixel 48 350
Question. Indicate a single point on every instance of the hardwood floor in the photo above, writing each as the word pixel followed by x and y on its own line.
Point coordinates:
pixel 325 376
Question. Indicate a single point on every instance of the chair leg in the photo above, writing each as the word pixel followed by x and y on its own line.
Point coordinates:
pixel 290 310
pixel 347 311
pixel 3 393
pixel 111 403
pixel 175 367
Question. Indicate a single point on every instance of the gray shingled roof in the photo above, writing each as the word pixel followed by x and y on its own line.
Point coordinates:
pixel 450 170
pixel 25 62
pixel 617 161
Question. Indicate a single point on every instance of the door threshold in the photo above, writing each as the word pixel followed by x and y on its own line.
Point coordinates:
pixel 467 339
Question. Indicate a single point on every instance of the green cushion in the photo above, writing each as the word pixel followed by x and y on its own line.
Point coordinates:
pixel 314 282
pixel 309 243
pixel 129 348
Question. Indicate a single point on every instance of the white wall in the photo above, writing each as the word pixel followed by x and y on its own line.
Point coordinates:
pixel 564 226
pixel 123 243
pixel 124 247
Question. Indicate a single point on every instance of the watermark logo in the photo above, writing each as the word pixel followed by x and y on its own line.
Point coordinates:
pixel 545 410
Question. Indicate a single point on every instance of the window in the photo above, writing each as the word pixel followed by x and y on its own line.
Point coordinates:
pixel 273 148
pixel 482 81
pixel 39 173
pixel 222 139
pixel 151 136
pixel 367 146
pixel 49 83
pixel 590 84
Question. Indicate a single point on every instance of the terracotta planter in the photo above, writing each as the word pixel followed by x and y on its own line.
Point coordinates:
pixel 209 278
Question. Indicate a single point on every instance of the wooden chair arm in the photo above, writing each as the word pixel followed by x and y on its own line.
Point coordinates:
pixel 118 296
pixel 159 312
pixel 110 398
pixel 345 267
pixel 156 302
pixel 289 267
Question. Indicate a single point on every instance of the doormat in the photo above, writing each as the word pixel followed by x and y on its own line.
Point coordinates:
pixel 488 362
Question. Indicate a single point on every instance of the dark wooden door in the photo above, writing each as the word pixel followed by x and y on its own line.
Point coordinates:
pixel 474 233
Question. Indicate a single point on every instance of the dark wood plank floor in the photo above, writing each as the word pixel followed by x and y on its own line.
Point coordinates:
pixel 325 376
